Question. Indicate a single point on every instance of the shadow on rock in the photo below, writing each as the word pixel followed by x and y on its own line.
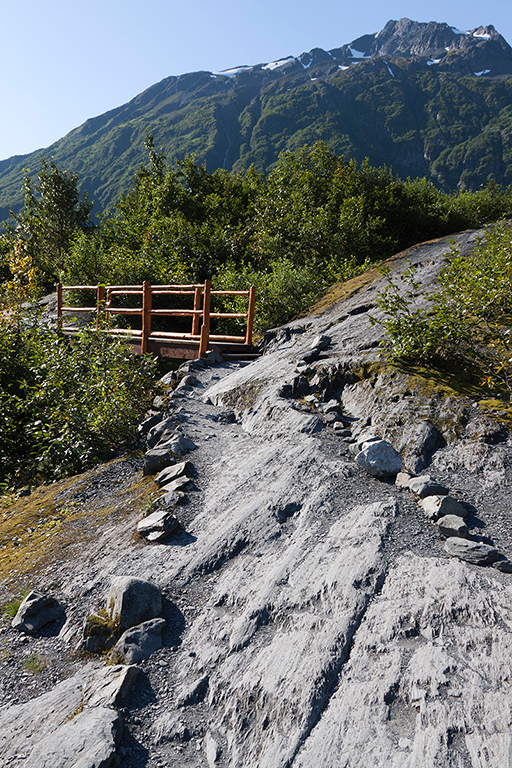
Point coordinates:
pixel 131 751
pixel 175 623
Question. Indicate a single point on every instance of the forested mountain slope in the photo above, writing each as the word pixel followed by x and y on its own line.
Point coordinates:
pixel 423 98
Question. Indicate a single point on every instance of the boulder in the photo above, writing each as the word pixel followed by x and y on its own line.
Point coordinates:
pixel 36 611
pixel 440 506
pixel 452 525
pixel 425 485
pixel 380 459
pixel 158 526
pixel 133 600
pixel 140 642
pixel 472 551
pixel 99 633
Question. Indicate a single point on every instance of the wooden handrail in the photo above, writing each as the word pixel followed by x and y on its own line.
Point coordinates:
pixel 201 314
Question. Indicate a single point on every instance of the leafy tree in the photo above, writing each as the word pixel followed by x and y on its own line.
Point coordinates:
pixel 51 216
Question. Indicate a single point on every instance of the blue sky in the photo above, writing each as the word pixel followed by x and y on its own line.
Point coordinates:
pixel 63 62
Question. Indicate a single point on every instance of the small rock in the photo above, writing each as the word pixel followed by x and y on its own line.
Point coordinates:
pixel 167 501
pixel 36 611
pixel 471 551
pixel 157 432
pixel 340 429
pixel 157 459
pixel 425 485
pixel 321 342
pixel 178 445
pixel 380 459
pixel 504 565
pixel 403 479
pixel 149 422
pixel 158 526
pixel 171 473
pixel 175 485
pixel 452 525
pixel 439 506
pixel 140 642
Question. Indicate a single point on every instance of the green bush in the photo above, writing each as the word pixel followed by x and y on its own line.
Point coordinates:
pixel 65 404
pixel 468 321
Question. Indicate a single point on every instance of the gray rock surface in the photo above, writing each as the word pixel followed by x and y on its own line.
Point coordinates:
pixel 140 642
pixel 313 616
pixel 36 611
pixel 133 600
pixel 74 725
pixel 88 740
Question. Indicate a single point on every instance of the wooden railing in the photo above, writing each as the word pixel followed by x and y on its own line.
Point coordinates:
pixel 200 314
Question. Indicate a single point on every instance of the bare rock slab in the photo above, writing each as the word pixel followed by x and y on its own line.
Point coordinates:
pixel 89 740
pixel 471 551
pixel 380 459
pixel 36 611
pixel 440 506
pixel 133 600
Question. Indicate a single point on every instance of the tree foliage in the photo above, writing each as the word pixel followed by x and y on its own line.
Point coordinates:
pixel 51 216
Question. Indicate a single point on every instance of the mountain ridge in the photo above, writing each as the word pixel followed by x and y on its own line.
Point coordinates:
pixel 365 99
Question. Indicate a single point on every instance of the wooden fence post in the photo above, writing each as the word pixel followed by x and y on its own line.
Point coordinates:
pixel 100 296
pixel 59 306
pixel 205 328
pixel 250 315
pixel 197 305
pixel 146 315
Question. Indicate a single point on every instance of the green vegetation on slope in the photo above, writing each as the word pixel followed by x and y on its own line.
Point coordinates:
pixel 468 323
pixel 314 220
pixel 451 128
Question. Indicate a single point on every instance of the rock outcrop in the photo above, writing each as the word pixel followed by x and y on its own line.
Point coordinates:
pixel 313 614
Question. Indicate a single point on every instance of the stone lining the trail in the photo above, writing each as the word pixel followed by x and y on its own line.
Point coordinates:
pixel 36 611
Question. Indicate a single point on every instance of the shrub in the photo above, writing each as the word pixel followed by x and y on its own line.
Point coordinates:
pixel 65 404
pixel 468 321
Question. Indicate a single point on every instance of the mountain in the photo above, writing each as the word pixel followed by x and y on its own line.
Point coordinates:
pixel 425 99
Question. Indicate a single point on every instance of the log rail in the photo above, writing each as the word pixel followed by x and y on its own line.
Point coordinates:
pixel 187 345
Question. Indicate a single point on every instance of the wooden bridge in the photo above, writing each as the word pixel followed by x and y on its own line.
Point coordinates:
pixel 190 345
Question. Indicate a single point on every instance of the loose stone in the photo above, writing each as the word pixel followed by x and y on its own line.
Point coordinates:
pixel 425 485
pixel 440 506
pixel 380 459
pixel 472 551
pixel 452 525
